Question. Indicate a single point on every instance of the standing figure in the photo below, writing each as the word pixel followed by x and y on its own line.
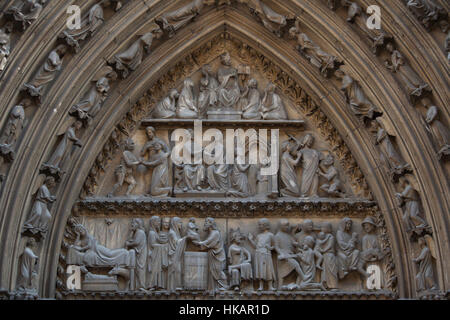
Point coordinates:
pixel 239 259
pixel 272 105
pixel 159 161
pixel 46 73
pixel 425 276
pixel 216 256
pixel 156 257
pixel 252 107
pixel 288 174
pixel 25 11
pixel 263 265
pixel 325 245
pixel 129 60
pixel 137 242
pixel 190 177
pixel 28 267
pixel 40 215
pixel 285 247
pixel 125 172
pixel 331 174
pixel 177 246
pixel 208 91
pixel 229 92
pixel 440 132
pixel 187 103
pixel 410 200
pixel 172 21
pixel 166 108
pixel 153 139
pixel 5 48
pixel 239 180
pixel 310 163
pixel 348 253
pixel 310 260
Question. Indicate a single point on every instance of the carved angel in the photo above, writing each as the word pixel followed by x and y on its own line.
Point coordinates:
pixel 25 11
pixel 272 20
pixel 5 48
pixel 439 131
pixel 172 21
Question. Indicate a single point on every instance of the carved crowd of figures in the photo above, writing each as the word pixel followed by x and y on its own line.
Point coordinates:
pixel 155 259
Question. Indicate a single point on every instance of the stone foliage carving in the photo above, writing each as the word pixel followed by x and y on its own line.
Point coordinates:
pixel 428 12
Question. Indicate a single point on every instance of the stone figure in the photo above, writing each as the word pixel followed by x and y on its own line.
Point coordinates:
pixel 325 245
pixel 285 248
pixel 239 261
pixel 415 86
pixel 239 179
pixel 28 266
pixel 64 147
pixel 264 243
pixel 333 186
pixel 332 4
pixel 125 172
pixel 439 131
pixel 272 20
pixel 86 251
pixel 216 256
pixel 310 260
pixel 159 161
pixel 166 108
pixel 356 98
pixel 251 101
pixel 306 230
pixel 130 59
pixel 46 73
pixel 193 231
pixel 310 161
pixel 347 250
pixel 177 246
pixel 11 134
pixel 272 105
pixel 137 241
pixel 428 12
pixel 209 85
pixel 218 177
pixel 187 102
pixel 40 215
pixel 371 250
pixel 447 46
pixel 425 279
pixel 288 174
pixel 409 198
pixel 153 139
pixel 92 102
pixel 173 21
pixel 5 48
pixel 90 23
pixel 157 256
pixel 228 92
pixel 25 11
pixel 326 63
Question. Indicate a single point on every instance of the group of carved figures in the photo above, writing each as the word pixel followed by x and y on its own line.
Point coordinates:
pixel 316 256
pixel 222 94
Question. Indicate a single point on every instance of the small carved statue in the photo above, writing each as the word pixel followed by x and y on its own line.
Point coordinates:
pixel 187 102
pixel 285 248
pixel 371 250
pixel 173 21
pixel 229 92
pixel 208 91
pixel 326 63
pixel 166 108
pixel 40 215
pixel 325 245
pixel 25 11
pixel 193 231
pixel 409 198
pixel 125 172
pixel 310 160
pixel 46 73
pixel 239 258
pixel 159 161
pixel 310 260
pixel 447 46
pixel 439 131
pixel 306 230
pixel 90 22
pixel 272 20
pixel 264 243
pixel 53 165
pixel 428 12
pixel 216 256
pixel 415 86
pixel 251 101
pixel 348 254
pixel 288 175
pixel 137 241
pixel 28 266
pixel 239 180
pixel 272 105
pixel 130 59
pixel 218 176
pixel 157 256
pixel 425 279
pixel 5 47
pixel 177 246
pixel 333 186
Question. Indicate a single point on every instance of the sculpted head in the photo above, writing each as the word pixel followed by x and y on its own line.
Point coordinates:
pixel 166 224
pixel 270 88
pixel 77 125
pixel 102 85
pixel 188 83
pixel 369 225
pixel 327 228
pixel 284 225
pixel 329 160
pixel 50 182
pixel 308 226
pixel 252 83
pixel 174 94
pixel 263 224
pixel 150 132
pixel 31 243
pixel 225 59
pixel 309 242
pixel 129 144
pixel 210 224
pixel 308 140
pixel 236 236
pixel 293 32
pixel 155 223
pixel 346 224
